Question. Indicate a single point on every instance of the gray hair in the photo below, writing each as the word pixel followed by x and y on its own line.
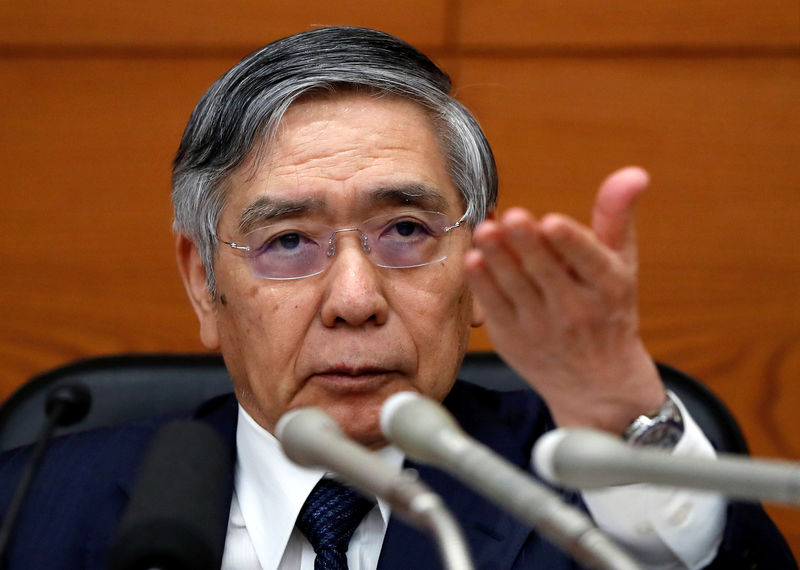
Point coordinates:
pixel 241 111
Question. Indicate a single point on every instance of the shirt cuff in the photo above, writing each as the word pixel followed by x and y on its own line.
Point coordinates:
pixel 664 527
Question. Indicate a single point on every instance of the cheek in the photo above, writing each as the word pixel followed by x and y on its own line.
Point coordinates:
pixel 262 329
pixel 443 299
pixel 437 313
pixel 252 314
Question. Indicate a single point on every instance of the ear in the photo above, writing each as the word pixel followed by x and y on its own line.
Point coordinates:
pixel 193 274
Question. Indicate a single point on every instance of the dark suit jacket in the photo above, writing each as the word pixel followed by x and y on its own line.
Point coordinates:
pixel 85 480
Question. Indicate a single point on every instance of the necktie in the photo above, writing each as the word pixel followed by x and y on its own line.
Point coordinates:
pixel 328 519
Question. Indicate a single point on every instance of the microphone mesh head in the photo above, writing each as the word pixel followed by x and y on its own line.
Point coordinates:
pixel 543 455
pixel 390 407
pixel 68 404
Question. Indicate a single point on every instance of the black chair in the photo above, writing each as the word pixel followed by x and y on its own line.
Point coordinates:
pixel 135 386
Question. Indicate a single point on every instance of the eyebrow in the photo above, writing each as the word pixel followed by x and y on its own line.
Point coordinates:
pixel 416 195
pixel 265 209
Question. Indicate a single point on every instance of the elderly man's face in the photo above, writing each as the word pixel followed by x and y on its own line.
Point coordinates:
pixel 347 338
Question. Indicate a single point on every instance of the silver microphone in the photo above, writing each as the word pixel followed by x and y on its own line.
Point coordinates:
pixel 587 459
pixel 312 438
pixel 427 432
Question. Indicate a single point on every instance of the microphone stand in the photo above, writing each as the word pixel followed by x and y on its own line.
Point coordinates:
pixel 428 433
pixel 66 404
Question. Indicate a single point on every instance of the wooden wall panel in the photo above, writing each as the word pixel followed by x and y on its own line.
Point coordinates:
pixel 623 23
pixel 704 94
pixel 205 23
pixel 87 248
pixel 721 140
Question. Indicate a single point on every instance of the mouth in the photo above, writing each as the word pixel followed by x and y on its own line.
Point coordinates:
pixel 347 378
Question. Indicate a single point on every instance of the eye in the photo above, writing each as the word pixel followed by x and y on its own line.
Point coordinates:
pixel 288 241
pixel 406 228
pixel 285 243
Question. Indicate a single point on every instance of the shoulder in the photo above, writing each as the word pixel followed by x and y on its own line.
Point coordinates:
pixel 76 497
pixel 82 487
pixel 80 460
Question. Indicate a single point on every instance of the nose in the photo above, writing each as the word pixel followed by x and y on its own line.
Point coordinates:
pixel 354 292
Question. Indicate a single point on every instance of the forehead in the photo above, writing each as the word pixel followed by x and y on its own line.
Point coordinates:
pixel 349 152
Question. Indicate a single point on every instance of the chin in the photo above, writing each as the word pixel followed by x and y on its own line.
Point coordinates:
pixel 361 424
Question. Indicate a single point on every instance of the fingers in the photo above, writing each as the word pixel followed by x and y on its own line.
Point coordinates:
pixel 520 263
pixel 484 286
pixel 513 268
pixel 528 262
pixel 589 261
pixel 613 214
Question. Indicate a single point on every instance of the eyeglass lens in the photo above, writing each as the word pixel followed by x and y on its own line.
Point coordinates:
pixel 295 249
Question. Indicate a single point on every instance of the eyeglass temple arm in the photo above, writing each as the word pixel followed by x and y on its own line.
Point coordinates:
pixel 235 245
pixel 460 221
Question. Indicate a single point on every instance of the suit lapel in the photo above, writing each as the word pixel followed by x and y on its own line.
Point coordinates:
pixel 494 537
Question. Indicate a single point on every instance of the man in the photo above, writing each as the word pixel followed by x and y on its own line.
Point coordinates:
pixel 330 203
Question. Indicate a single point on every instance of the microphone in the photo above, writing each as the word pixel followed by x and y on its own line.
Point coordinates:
pixel 311 438
pixel 178 511
pixel 586 459
pixel 65 405
pixel 427 432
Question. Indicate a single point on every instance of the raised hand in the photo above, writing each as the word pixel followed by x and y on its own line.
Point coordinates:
pixel 561 306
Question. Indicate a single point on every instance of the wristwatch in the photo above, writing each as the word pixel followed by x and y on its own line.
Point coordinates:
pixel 662 429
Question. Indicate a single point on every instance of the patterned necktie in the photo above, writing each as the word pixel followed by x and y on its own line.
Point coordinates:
pixel 328 519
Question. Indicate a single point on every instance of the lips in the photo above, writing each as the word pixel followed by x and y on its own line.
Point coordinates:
pixel 344 370
pixel 355 378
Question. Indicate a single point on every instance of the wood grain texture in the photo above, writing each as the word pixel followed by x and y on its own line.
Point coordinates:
pixel 204 24
pixel 704 94
pixel 87 218
pixel 513 24
pixel 720 267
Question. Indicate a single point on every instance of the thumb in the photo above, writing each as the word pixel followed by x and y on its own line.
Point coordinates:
pixel 613 215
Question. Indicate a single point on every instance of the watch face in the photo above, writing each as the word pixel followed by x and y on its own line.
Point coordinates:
pixel 664 435
pixel 661 430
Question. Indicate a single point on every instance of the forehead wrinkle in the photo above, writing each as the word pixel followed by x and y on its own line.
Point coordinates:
pixel 338 166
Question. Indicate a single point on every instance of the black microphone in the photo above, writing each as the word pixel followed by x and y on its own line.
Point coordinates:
pixel 66 404
pixel 178 511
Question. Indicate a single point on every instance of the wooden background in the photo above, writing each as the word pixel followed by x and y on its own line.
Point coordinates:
pixel 705 94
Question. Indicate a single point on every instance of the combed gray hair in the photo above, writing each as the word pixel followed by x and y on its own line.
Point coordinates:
pixel 241 111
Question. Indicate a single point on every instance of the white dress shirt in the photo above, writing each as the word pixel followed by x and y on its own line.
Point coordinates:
pixel 666 529
pixel 269 491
